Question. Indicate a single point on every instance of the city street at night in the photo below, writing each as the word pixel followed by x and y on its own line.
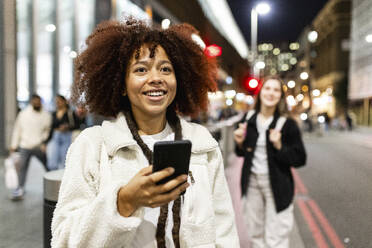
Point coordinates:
pixel 185 124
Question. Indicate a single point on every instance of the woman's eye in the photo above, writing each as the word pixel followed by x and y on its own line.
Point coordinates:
pixel 140 69
pixel 166 69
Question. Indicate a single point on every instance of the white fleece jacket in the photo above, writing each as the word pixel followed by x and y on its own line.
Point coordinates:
pixel 104 158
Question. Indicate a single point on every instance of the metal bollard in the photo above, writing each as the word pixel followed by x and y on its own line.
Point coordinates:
pixel 52 182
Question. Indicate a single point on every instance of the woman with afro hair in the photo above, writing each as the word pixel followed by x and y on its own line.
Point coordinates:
pixel 142 78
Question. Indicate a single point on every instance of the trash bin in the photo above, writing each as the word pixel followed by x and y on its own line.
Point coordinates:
pixel 52 182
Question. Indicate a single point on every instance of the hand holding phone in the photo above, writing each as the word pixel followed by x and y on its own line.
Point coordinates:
pixel 143 191
pixel 174 154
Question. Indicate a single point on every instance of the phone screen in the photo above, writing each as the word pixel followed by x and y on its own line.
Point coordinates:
pixel 174 154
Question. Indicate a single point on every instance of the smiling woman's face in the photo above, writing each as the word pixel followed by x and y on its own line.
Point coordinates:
pixel 270 93
pixel 150 83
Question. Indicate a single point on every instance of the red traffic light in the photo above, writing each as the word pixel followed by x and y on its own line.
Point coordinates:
pixel 252 85
pixel 213 51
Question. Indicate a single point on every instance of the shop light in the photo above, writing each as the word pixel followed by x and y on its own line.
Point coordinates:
pixel 260 65
pixel 276 51
pixel 165 23
pixel 304 75
pixel 291 84
pixel 228 80
pixel 294 46
pixel 230 93
pixel 369 38
pixel 229 102
pixel 240 97
pixel 293 61
pixel 72 54
pixel 300 97
pixel 284 67
pixel 303 116
pixel 321 119
pixel 50 28
pixel 305 88
pixel 316 92
pixel 249 100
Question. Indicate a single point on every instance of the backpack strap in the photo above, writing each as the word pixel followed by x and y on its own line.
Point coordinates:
pixel 249 115
pixel 280 123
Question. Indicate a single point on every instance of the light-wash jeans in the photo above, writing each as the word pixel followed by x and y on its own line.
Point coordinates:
pixel 266 227
pixel 57 149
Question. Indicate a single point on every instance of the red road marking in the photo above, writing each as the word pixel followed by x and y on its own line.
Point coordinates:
pixel 299 185
pixel 332 235
pixel 315 230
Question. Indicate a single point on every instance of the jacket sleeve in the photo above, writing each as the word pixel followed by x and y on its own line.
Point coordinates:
pixel 226 233
pixel 293 151
pixel 85 215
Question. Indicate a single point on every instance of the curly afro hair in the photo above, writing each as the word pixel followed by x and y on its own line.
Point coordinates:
pixel 100 70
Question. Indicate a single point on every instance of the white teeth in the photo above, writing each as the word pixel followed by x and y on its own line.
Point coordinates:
pixel 155 93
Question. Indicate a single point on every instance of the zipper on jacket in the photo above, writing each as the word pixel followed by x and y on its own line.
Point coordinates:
pixel 191 177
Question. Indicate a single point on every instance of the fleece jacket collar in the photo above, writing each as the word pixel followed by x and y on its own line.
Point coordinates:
pixel 116 135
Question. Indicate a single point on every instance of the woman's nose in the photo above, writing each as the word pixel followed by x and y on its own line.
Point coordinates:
pixel 156 77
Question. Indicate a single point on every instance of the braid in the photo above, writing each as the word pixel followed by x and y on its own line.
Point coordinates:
pixel 160 229
pixel 134 130
pixel 176 222
pixel 175 124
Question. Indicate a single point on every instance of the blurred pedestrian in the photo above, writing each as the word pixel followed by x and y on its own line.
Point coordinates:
pixel 271 144
pixel 142 77
pixel 327 121
pixel 63 123
pixel 30 133
pixel 349 121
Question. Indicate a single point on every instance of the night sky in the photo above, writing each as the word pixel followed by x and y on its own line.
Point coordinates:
pixel 284 22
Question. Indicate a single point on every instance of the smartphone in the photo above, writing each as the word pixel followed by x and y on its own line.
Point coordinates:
pixel 174 154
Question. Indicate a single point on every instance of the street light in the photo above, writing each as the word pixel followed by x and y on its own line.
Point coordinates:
pixel 312 36
pixel 261 8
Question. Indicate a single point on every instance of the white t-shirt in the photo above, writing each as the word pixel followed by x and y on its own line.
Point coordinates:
pixel 260 164
pixel 146 232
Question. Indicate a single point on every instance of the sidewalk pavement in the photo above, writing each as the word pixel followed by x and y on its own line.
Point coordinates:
pixel 22 221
